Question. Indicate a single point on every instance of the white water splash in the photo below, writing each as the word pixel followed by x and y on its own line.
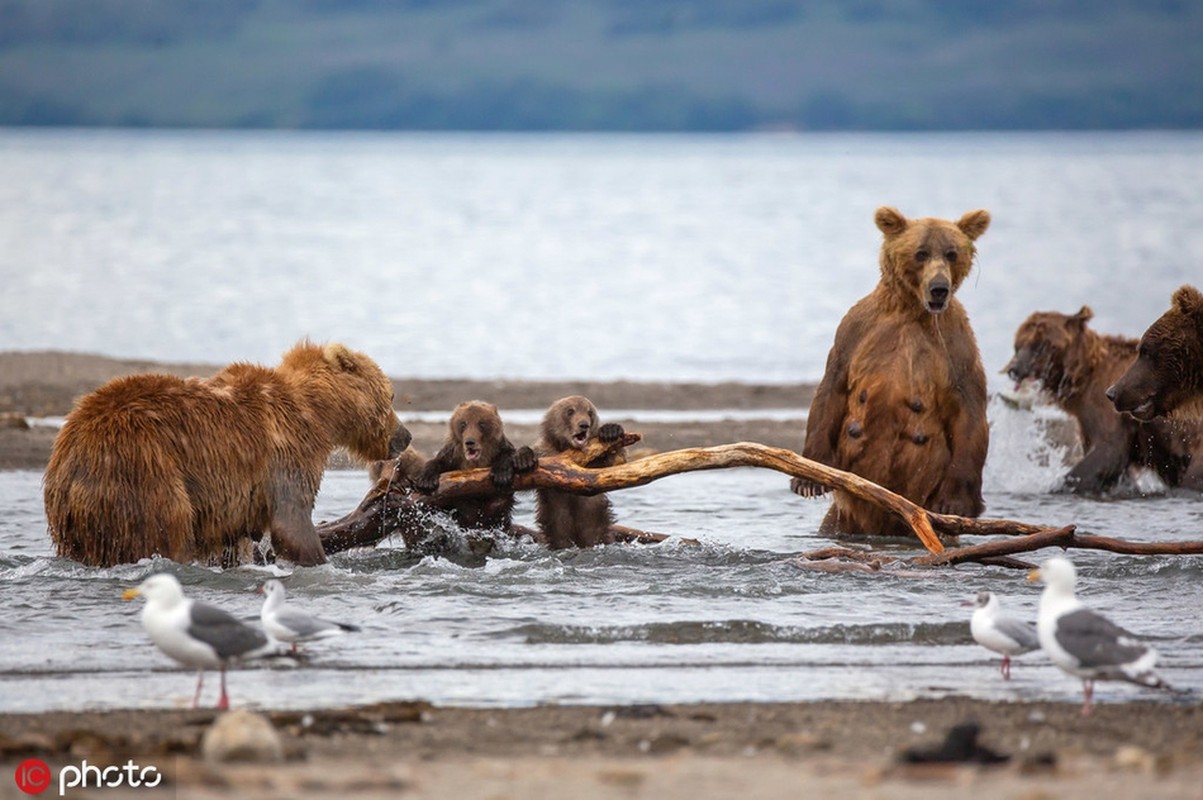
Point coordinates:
pixel 1032 446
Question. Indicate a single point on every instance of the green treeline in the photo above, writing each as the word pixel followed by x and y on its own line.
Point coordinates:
pixel 707 65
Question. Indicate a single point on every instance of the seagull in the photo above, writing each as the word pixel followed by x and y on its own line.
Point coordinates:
pixel 290 625
pixel 998 632
pixel 196 634
pixel 1084 643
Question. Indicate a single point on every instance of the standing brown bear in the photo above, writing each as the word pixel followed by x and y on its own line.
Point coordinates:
pixel 566 519
pixel 197 468
pixel 476 439
pixel 903 400
pixel 1074 366
pixel 1168 372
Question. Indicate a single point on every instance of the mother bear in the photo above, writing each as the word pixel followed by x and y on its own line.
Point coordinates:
pixel 194 469
pixel 903 400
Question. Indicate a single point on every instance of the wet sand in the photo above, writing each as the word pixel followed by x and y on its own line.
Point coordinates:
pixel 47 384
pixel 786 750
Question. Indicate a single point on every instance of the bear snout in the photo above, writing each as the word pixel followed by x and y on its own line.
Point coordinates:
pixel 1134 394
pixel 399 441
pixel 938 291
pixel 1020 366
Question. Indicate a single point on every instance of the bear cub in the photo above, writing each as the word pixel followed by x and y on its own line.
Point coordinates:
pixel 476 439
pixel 566 519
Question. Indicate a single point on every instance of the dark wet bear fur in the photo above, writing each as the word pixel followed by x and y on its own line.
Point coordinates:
pixel 903 400
pixel 1074 366
pixel 566 519
pixel 476 439
pixel 1167 376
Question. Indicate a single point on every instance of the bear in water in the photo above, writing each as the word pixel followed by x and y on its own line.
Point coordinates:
pixel 567 519
pixel 476 439
pixel 195 469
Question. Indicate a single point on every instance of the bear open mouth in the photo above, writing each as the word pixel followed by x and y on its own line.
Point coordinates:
pixel 580 438
pixel 1145 411
pixel 936 306
pixel 471 452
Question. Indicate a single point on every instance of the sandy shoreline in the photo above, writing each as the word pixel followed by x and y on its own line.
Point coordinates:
pixel 47 384
pixel 706 750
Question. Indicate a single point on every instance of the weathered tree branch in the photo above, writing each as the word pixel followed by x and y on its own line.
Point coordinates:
pixel 390 508
pixel 565 473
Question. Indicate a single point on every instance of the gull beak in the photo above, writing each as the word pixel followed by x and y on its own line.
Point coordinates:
pixel 967 603
pixel 130 594
pixel 1034 575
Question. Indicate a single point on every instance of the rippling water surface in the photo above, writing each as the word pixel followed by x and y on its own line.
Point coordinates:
pixel 727 619
pixel 700 258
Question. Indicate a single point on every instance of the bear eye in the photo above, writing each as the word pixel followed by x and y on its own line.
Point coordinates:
pixel 922 256
pixel 463 426
pixel 571 411
pixel 951 256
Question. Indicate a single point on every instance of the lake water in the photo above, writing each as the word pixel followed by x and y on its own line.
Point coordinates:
pixel 648 257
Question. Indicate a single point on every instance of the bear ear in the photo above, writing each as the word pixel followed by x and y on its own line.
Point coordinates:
pixel 339 357
pixel 1189 301
pixel 890 221
pixel 974 223
pixel 1085 313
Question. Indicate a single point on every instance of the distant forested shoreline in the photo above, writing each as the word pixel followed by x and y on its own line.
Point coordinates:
pixel 621 65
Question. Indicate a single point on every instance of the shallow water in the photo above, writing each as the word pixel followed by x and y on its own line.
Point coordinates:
pixel 703 258
pixel 728 619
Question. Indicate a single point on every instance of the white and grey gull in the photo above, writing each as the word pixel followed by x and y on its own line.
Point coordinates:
pixel 197 634
pixel 288 624
pixel 1003 634
pixel 1083 642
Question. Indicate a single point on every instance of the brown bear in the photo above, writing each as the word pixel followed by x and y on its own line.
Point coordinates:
pixel 476 439
pixel 903 400
pixel 566 519
pixel 1074 366
pixel 1167 375
pixel 194 469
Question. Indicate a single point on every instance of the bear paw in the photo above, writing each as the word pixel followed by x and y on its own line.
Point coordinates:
pixel 525 459
pixel 808 488
pixel 610 432
pixel 427 482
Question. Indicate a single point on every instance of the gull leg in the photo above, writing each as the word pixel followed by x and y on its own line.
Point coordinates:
pixel 200 681
pixel 224 702
pixel 1087 694
pixel 1006 668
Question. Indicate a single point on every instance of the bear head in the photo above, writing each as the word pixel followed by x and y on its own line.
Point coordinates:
pixel 570 423
pixel 1046 347
pixel 927 259
pixel 351 396
pixel 476 430
pixel 1168 371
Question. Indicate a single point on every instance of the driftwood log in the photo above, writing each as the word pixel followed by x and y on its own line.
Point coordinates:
pixel 391 508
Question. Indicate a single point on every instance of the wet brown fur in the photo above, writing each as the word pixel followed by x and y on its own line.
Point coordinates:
pixel 1166 379
pixel 405 467
pixel 566 519
pixel 1075 365
pixel 476 425
pixel 903 399
pixel 191 469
